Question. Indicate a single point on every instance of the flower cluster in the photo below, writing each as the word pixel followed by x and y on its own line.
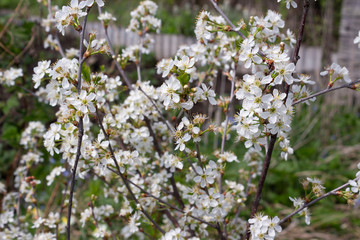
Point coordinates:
pixel 8 77
pixel 263 227
pixel 299 203
pixel 70 15
pixel 143 18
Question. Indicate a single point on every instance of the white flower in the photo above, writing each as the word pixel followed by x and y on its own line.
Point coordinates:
pixel 45 236
pixel 133 224
pixel 186 64
pixel 83 102
pixel 165 66
pixel 65 16
pixel 274 226
pixel 89 3
pixel 8 77
pixel 189 126
pixel 170 91
pixel 57 171
pixel 204 93
pixel 289 2
pixel 38 222
pixel 337 73
pixel 202 29
pixel 355 186
pixel 181 142
pixel 285 72
pixel 357 40
pixel 205 177
pixel 39 72
pixel 249 56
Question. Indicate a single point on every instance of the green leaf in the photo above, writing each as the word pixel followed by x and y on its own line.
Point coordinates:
pixel 11 103
pixel 184 78
pixel 86 73
pixel 11 134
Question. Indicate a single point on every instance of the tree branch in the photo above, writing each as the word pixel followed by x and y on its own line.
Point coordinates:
pixel 80 129
pixel 332 192
pixel 123 177
pixel 265 169
pixel 273 137
pixel 225 129
pixel 306 7
pixel 218 9
pixel 348 85
pixel 60 48
pixel 126 79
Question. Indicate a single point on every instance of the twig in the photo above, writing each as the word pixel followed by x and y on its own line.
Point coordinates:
pixel 295 56
pixel 7 50
pixel 168 204
pixel 51 199
pixel 348 85
pixel 216 6
pixel 10 19
pixel 127 81
pixel 158 149
pixel 61 207
pixel 28 45
pixel 80 128
pixel 122 176
pixel 225 129
pixel 306 7
pixel 111 49
pixel 265 169
pixel 61 51
pixel 332 192
pixel 273 137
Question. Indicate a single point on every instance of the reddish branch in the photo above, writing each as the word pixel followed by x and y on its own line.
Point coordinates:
pixel 273 137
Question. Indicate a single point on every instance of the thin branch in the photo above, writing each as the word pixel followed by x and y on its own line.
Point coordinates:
pixel 93 213
pixel 306 7
pixel 225 129
pixel 111 49
pixel 10 19
pixel 158 149
pixel 164 202
pixel 60 48
pixel 26 48
pixel 332 192
pixel 122 176
pixel 348 85
pixel 63 196
pixel 295 56
pixel 169 205
pixel 262 181
pixel 80 129
pixel 127 81
pixel 218 9
pixel 273 137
